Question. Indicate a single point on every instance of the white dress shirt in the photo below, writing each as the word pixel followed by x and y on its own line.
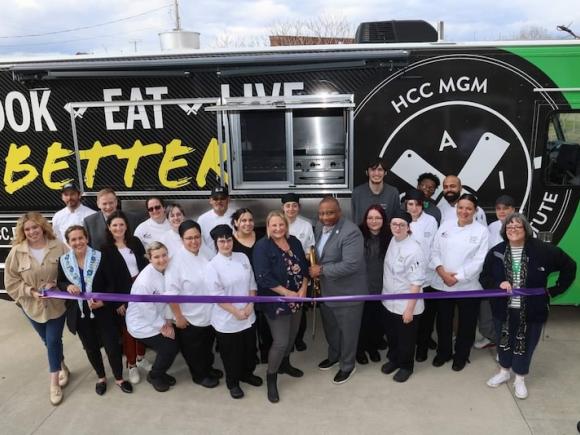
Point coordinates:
pixel 66 217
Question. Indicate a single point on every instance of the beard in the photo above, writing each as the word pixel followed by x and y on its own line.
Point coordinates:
pixel 451 197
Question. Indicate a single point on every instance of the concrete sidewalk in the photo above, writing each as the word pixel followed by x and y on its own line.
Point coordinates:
pixel 433 401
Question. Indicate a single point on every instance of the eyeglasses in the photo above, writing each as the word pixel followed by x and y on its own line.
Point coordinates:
pixel 154 208
pixel 401 225
pixel 514 227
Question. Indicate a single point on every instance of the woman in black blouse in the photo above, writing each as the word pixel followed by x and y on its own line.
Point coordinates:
pixel 126 257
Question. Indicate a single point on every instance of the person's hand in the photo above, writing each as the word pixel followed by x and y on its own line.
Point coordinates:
pixel 73 289
pixel 302 292
pixel 168 331
pixel 181 322
pixel 36 294
pixel 314 271
pixel 505 285
pixel 122 310
pixel 407 316
pixel 447 277
pixel 48 285
pixel 240 314
pixel 95 305
pixel 248 310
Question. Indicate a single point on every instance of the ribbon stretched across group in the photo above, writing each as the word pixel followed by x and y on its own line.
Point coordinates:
pixel 208 299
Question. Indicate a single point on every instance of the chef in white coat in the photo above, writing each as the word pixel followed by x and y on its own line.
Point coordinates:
pixel 230 274
pixel 146 321
pixel 404 272
pixel 458 253
pixel 154 228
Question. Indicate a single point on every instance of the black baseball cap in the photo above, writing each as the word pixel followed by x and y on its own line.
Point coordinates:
pixel 69 186
pixel 219 191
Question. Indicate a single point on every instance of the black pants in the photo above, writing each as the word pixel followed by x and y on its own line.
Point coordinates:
pixel 401 338
pixel 303 325
pixel 427 322
pixel 262 333
pixel 238 352
pixel 195 344
pixel 166 350
pixel 101 329
pixel 371 327
pixel 468 310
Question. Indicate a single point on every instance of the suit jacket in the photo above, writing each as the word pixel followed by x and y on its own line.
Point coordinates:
pixel 97 228
pixel 342 260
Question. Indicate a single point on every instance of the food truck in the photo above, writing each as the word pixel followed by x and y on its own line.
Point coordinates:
pixel 505 117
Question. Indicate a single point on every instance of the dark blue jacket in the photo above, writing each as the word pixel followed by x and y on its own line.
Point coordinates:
pixel 543 259
pixel 269 267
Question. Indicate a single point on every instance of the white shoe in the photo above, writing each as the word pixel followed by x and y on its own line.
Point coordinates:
pixel 144 364
pixel 134 376
pixel 63 375
pixel 483 343
pixel 498 379
pixel 520 390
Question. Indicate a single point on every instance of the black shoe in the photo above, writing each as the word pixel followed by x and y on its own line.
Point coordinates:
pixel 126 387
pixel 252 379
pixel 421 355
pixel 272 383
pixel 342 376
pixel 327 364
pixel 389 367
pixel 361 358
pixel 158 383
pixel 207 382
pixel 236 392
pixel 432 344
pixel 458 365
pixel 170 380
pixel 439 361
pixel 382 345
pixel 402 375
pixel 101 388
pixel 374 355
pixel 300 346
pixel 286 367
pixel 216 373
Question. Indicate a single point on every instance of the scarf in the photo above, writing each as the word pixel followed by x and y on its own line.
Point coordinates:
pixel 71 270
pixel 520 339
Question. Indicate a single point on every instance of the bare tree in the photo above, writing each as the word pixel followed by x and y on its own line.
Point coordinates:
pixel 533 33
pixel 235 40
pixel 324 29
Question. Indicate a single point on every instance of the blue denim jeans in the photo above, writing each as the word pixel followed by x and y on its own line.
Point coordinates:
pixel 51 334
pixel 520 364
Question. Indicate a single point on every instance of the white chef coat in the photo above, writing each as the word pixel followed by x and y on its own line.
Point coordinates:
pixel 461 250
pixel 65 218
pixel 494 229
pixel 449 212
pixel 301 228
pixel 145 319
pixel 230 276
pixel 185 275
pixel 150 231
pixel 423 230
pixel 404 266
pixel 209 220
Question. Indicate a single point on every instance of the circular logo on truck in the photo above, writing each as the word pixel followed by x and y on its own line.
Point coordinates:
pixel 471 116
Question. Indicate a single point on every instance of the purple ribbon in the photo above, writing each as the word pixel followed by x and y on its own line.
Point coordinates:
pixel 206 299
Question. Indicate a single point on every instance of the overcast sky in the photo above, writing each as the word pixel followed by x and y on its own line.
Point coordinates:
pixel 123 26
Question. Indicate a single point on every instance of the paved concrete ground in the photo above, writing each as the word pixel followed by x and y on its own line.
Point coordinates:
pixel 433 401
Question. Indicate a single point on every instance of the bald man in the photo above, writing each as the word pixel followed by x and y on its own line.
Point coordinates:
pixel 451 192
pixel 342 272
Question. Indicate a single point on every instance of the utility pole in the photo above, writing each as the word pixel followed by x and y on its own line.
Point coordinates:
pixel 177 18
pixel 134 42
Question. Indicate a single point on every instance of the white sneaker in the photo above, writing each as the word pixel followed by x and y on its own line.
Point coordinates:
pixel 498 379
pixel 144 364
pixel 520 390
pixel 134 376
pixel 483 343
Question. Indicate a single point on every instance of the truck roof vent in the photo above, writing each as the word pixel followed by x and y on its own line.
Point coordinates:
pixel 395 31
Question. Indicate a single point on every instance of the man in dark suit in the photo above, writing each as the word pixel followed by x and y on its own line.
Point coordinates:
pixel 342 272
pixel 96 223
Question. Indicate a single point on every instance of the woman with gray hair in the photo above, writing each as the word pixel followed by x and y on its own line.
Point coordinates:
pixel 521 261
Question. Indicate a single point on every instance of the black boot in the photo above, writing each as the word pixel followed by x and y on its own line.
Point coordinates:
pixel 272 382
pixel 286 367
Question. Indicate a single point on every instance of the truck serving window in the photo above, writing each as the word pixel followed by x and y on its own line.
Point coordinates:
pixel 563 149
